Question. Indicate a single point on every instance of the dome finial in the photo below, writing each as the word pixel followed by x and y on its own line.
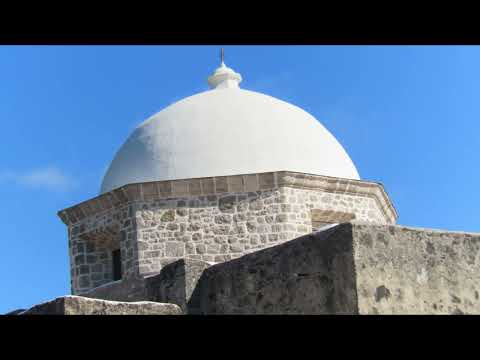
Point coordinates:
pixel 224 77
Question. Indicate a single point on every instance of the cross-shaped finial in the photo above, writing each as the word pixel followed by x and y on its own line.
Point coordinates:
pixel 221 55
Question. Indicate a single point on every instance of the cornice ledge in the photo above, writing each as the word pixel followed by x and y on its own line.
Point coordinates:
pixel 225 184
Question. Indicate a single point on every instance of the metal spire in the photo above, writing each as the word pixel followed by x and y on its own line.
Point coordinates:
pixel 222 55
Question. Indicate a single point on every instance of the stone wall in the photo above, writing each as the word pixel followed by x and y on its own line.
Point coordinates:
pixel 219 228
pixel 177 284
pixel 308 275
pixel 91 242
pixel 352 268
pixel 402 270
pixel 127 290
pixel 78 305
pixel 209 219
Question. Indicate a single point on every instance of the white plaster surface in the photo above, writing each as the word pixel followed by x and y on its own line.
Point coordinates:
pixel 227 131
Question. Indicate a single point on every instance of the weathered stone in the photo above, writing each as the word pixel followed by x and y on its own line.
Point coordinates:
pixel 172 226
pixel 97 268
pixel 168 215
pixel 77 305
pixel 381 293
pixel 221 184
pixel 239 217
pixel 142 245
pixel 251 183
pixel 221 230
pixel 290 278
pixel 331 272
pixel 252 226
pixel 194 227
pixel 190 211
pixel 237 248
pixel 79 259
pixel 213 249
pixel 83 281
pixel 177 283
pixel 174 249
pixel 194 187
pixel 196 236
pixel 235 183
pixel 201 249
pixel 267 180
pixel 182 212
pixel 223 219
pixel 227 204
pixel 190 248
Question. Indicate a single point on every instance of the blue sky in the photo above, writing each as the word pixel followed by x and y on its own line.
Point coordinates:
pixel 407 115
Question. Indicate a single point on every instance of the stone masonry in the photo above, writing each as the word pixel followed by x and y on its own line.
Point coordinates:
pixel 349 268
pixel 78 305
pixel 210 219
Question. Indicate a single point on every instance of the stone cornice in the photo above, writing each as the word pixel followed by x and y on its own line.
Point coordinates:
pixel 227 184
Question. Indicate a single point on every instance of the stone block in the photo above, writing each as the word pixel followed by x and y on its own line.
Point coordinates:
pixel 223 219
pixel 195 187
pixel 180 188
pixel 132 191
pixel 78 305
pixel 227 204
pixel 174 249
pixel 251 183
pixel 208 186
pixel 203 218
pixel 221 184
pixel 236 183
pixel 168 215
pixel 266 181
pixel 164 188
pixel 149 190
pixel 350 268
pixel 177 283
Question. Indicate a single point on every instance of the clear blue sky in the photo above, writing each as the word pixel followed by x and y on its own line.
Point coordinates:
pixel 409 116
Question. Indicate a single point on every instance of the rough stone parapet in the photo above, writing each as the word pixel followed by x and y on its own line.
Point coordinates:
pixel 129 289
pixel 312 274
pixel 176 283
pixel 352 268
pixel 406 270
pixel 78 305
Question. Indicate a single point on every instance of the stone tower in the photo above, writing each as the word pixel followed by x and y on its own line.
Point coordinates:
pixel 212 177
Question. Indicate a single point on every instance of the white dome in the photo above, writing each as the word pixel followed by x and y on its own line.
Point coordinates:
pixel 227 131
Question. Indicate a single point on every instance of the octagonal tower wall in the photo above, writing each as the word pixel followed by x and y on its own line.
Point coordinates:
pixel 212 219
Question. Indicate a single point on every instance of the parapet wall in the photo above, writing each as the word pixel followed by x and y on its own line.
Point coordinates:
pixel 352 269
pixel 78 305
pixel 308 275
pixel 402 270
